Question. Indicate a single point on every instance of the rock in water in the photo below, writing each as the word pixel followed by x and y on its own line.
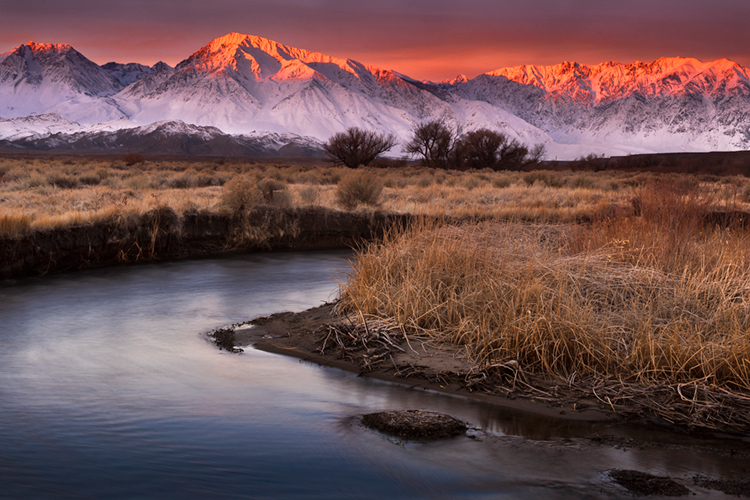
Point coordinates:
pixel 414 424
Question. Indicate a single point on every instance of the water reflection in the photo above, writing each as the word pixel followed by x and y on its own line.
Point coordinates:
pixel 109 390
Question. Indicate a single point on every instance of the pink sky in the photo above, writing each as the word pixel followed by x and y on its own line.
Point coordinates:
pixel 425 39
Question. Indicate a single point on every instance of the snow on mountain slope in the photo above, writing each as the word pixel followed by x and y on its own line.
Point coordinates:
pixel 243 83
pixel 611 81
pixel 127 74
pixel 167 137
pixel 36 126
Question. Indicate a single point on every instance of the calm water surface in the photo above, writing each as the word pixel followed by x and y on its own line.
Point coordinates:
pixel 109 390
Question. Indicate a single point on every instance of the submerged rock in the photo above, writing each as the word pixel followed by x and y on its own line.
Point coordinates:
pixel 414 424
pixel 642 483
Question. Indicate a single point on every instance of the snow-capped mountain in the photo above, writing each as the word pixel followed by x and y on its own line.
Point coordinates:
pixel 611 81
pixel 48 78
pixel 243 83
pixel 249 86
pixel 671 104
pixel 125 74
pixel 36 126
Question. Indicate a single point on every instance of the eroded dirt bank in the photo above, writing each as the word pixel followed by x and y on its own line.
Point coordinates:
pixel 319 336
pixel 163 235
pixel 371 348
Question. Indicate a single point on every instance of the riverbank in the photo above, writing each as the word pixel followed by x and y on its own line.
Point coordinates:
pixel 161 234
pixel 323 336
pixel 60 213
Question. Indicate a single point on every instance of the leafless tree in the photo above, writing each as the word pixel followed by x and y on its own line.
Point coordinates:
pixel 484 148
pixel 435 142
pixel 357 147
pixel 480 148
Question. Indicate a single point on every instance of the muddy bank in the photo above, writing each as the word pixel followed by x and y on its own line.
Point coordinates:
pixel 311 336
pixel 163 235
pixel 374 350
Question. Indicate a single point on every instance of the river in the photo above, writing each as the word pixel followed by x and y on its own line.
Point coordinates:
pixel 109 389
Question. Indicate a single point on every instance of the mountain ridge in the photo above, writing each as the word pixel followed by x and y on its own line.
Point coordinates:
pixel 246 84
pixel 664 76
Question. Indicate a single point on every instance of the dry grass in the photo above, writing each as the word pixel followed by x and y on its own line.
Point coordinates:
pixel 59 192
pixel 656 298
pixel 359 189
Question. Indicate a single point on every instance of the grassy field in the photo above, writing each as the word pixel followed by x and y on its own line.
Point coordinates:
pixel 57 192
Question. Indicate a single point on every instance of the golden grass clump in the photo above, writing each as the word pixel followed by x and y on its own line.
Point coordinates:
pixel 14 224
pixel 651 299
pixel 359 188
pixel 240 195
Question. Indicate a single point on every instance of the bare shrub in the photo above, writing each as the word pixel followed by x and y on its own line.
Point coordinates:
pixel 331 177
pixel 308 177
pixel 501 182
pixel 583 181
pixel 138 182
pixel 35 179
pixel 63 181
pixel 481 148
pixel 356 189
pixel 90 179
pixel 357 147
pixel 240 195
pixel 188 179
pixel 442 147
pixel 472 182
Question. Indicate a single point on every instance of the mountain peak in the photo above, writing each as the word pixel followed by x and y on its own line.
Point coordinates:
pixel 460 78
pixel 44 47
pixel 242 54
pixel 254 57
pixel 54 69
